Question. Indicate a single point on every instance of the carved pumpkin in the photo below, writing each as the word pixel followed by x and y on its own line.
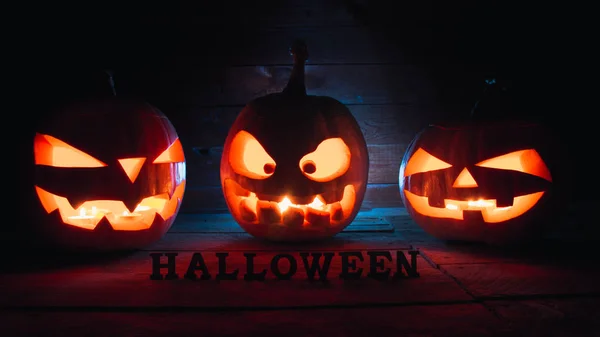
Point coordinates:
pixel 479 181
pixel 294 166
pixel 110 174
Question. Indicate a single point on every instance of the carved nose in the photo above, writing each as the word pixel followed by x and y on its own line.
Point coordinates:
pixel 132 167
pixel 464 180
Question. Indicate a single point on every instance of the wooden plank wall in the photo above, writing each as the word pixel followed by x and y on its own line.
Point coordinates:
pixel 390 99
pixel 201 62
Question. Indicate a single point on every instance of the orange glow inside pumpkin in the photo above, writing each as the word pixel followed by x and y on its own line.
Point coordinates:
pixel 248 158
pixel 89 214
pixel 50 151
pixel 248 207
pixel 421 161
pixel 132 167
pixel 490 213
pixel 465 180
pixel 173 154
pixel 525 161
pixel 328 161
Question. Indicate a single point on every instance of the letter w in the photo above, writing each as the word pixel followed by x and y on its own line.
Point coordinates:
pixel 315 266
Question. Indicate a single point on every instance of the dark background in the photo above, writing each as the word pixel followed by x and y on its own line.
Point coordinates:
pixel 541 54
pixel 191 60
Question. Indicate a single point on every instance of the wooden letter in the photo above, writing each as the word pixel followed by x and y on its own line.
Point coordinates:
pixel 315 266
pixel 157 266
pixel 223 274
pixel 402 263
pixel 250 274
pixel 348 265
pixel 197 263
pixel 377 269
pixel 275 266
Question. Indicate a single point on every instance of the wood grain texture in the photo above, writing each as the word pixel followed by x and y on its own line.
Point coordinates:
pixel 245 242
pixel 526 278
pixel 384 162
pixel 539 295
pixel 382 195
pixel 444 253
pixel 207 127
pixel 551 317
pixel 350 84
pixel 125 283
pixel 210 198
pixel 467 320
pixel 179 237
pixel 224 223
pixel 550 251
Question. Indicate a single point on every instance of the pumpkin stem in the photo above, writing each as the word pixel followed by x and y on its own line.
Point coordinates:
pixel 295 84
pixel 111 81
pixel 489 83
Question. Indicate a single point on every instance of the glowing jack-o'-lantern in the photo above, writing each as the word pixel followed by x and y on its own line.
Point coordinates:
pixel 484 182
pixel 110 174
pixel 294 166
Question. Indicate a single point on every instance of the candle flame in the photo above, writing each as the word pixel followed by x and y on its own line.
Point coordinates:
pixel 480 203
pixel 284 204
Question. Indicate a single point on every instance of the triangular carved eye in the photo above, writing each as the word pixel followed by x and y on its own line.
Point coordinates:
pixel 526 161
pixel 422 161
pixel 173 154
pixel 50 151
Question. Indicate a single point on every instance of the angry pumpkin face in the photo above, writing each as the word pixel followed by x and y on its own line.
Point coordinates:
pixel 294 169
pixel 476 182
pixel 112 172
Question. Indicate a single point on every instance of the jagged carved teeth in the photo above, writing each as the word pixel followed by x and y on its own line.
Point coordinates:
pixel 89 214
pixel 478 204
pixel 317 213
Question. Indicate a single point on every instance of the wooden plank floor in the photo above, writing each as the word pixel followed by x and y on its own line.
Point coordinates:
pixel 550 289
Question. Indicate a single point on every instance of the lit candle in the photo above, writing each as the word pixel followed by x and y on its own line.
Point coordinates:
pixel 128 215
pixel 83 214
pixel 284 204
pixel 317 204
pixel 84 219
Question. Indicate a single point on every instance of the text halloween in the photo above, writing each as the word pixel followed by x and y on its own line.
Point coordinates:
pixel 315 264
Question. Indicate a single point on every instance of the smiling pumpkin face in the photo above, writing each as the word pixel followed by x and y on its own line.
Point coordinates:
pixel 294 169
pixel 485 183
pixel 111 175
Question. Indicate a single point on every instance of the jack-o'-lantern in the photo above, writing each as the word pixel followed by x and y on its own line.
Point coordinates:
pixel 479 181
pixel 110 173
pixel 294 166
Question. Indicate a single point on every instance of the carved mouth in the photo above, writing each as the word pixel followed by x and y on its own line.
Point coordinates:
pixel 454 209
pixel 315 214
pixel 91 212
